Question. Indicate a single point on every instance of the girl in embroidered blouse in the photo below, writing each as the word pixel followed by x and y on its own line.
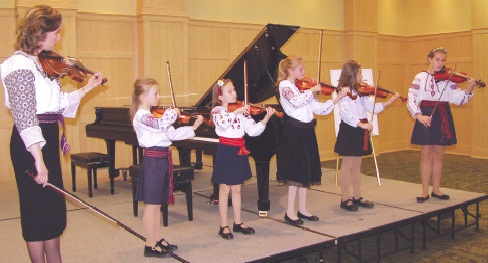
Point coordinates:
pixel 298 157
pixel 434 129
pixel 37 104
pixel 155 179
pixel 231 166
pixel 354 132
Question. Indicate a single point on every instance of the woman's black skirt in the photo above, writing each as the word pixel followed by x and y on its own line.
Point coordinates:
pixel 42 210
pixel 153 185
pixel 230 168
pixel 350 141
pixel 433 135
pixel 298 155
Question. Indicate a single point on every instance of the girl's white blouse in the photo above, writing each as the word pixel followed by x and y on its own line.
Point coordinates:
pixel 230 125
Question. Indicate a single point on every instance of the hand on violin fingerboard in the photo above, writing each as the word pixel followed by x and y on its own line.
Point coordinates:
pixel 269 112
pixel 94 81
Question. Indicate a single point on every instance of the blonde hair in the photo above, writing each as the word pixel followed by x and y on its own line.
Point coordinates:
pixel 290 62
pixel 141 86
pixel 217 91
pixel 349 75
pixel 32 29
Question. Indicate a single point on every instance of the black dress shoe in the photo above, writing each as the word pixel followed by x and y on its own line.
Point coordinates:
pixel 225 235
pixel 167 247
pixel 362 203
pixel 352 207
pixel 293 222
pixel 421 199
pixel 153 252
pixel 442 197
pixel 245 230
pixel 310 218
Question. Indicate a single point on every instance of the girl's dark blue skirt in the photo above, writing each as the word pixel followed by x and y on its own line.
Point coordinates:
pixel 230 168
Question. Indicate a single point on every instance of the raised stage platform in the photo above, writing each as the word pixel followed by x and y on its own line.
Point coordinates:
pixel 397 222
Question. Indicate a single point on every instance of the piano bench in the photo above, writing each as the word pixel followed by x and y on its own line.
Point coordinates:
pixel 91 161
pixel 181 180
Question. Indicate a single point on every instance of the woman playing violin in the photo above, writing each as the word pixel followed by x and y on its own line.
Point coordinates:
pixel 37 104
pixel 428 102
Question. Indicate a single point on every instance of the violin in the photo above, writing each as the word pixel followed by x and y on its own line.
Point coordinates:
pixel 460 77
pixel 57 66
pixel 183 118
pixel 255 109
pixel 364 89
pixel 307 83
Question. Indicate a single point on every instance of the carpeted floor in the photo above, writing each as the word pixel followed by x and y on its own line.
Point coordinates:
pixel 459 172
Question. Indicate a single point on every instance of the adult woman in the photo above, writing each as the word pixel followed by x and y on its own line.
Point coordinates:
pixel 37 104
pixel 428 102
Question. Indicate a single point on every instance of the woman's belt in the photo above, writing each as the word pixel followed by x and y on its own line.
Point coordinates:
pixel 56 118
pixel 366 135
pixel 238 142
pixel 442 108
pixel 164 154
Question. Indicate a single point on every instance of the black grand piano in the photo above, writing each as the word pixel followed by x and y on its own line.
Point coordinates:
pixel 263 56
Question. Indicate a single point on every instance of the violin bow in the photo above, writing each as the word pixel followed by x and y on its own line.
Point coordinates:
pixel 246 84
pixel 171 84
pixel 99 212
pixel 319 59
pixel 442 92
pixel 371 134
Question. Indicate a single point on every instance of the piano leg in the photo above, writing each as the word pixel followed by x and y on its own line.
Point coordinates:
pixel 198 162
pixel 262 175
pixel 185 156
pixel 111 152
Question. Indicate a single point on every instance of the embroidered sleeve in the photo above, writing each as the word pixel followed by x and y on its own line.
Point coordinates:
pixel 223 118
pixel 414 97
pixel 297 101
pixel 163 123
pixel 22 99
pixel 322 108
pixel 251 127
pixel 346 112
pixel 458 96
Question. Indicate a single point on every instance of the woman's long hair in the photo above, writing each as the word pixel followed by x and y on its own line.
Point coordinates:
pixel 32 29
pixel 141 86
pixel 349 75
pixel 217 91
pixel 290 62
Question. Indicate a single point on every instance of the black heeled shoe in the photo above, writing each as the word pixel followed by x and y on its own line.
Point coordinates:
pixel 245 230
pixel 310 218
pixel 364 203
pixel 421 199
pixel 442 197
pixel 351 207
pixel 293 222
pixel 167 247
pixel 225 235
pixel 153 252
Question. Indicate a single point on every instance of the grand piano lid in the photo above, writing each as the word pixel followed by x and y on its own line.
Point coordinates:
pixel 263 56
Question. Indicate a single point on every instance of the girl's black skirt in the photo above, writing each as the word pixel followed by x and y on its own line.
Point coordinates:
pixel 298 155
pixel 230 168
pixel 153 185
pixel 350 141
pixel 433 134
pixel 42 210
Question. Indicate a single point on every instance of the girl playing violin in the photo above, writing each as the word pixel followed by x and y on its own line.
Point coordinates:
pixel 298 158
pixel 155 181
pixel 354 132
pixel 231 167
pixel 428 102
